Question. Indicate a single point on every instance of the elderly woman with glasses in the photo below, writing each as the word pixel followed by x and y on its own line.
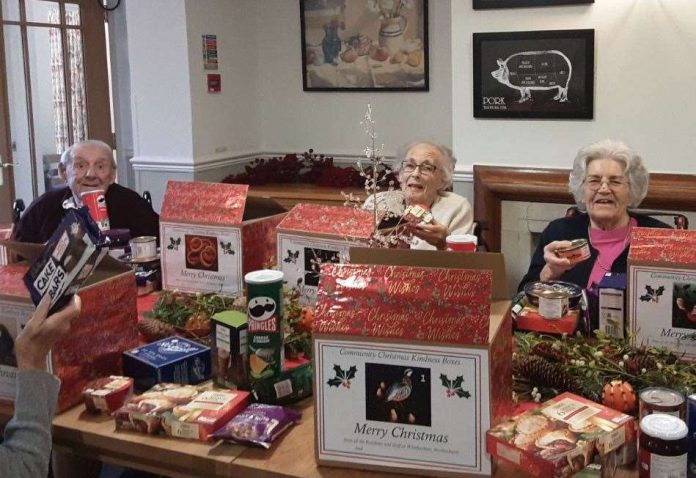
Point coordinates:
pixel 607 178
pixel 425 175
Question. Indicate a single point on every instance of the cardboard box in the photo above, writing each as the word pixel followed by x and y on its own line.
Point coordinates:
pixel 203 415
pixel 173 360
pixel 211 234
pixel 294 384
pixel 412 364
pixel 312 234
pixel 105 328
pixel 612 305
pixel 662 289
pixel 561 437
pixel 530 320
pixel 144 413
pixel 229 350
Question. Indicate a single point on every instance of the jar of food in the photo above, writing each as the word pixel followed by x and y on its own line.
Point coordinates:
pixel 663 448
pixel 578 251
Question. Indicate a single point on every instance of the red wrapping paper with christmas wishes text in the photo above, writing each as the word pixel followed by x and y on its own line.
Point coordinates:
pixel 410 303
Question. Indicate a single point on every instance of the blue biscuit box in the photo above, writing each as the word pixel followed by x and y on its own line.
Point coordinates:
pixel 172 360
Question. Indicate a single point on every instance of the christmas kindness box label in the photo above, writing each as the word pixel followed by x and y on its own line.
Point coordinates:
pixel 201 259
pixel 407 406
pixel 662 307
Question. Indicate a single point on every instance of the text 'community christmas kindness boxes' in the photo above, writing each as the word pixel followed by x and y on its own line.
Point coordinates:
pixel 412 367
pixel 105 327
pixel 314 234
pixel 662 289
pixel 211 234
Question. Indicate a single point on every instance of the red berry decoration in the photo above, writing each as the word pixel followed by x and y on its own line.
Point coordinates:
pixel 619 396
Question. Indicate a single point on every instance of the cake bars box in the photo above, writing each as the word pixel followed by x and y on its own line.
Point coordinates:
pixel 211 234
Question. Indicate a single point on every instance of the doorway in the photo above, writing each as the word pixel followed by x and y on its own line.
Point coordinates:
pixel 54 91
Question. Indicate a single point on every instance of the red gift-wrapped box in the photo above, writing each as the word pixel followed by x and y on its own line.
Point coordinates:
pixel 98 336
pixel 212 234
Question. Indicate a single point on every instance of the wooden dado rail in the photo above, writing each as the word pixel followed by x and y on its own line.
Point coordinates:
pixel 495 184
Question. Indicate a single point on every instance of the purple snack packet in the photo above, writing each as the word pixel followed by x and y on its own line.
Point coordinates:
pixel 258 424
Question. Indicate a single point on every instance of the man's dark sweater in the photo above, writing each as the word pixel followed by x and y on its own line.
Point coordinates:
pixel 127 209
pixel 566 229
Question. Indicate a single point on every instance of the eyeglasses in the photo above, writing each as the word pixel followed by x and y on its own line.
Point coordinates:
pixel 612 182
pixel 426 169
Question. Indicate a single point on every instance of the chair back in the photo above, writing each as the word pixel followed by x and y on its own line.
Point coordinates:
pixel 679 220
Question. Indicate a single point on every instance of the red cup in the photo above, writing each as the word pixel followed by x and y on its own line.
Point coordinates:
pixel 461 243
pixel 96 203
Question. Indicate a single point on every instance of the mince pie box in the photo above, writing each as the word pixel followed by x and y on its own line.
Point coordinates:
pixel 313 234
pixel 205 414
pixel 662 289
pixel 105 327
pixel 411 364
pixel 211 234
pixel 174 360
pixel 560 437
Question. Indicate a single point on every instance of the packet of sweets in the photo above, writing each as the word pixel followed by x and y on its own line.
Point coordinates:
pixel 258 424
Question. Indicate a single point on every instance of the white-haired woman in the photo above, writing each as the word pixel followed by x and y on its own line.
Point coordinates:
pixel 607 178
pixel 425 175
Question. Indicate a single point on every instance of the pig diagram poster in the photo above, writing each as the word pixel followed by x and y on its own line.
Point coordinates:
pixel 536 74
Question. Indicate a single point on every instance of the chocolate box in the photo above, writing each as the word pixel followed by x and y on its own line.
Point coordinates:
pixel 662 289
pixel 229 350
pixel 174 360
pixel 104 329
pixel 412 364
pixel 211 234
pixel 203 415
pixel 313 234
pixel 560 437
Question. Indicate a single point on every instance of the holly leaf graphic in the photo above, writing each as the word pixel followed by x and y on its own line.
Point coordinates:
pixel 351 372
pixel 335 382
pixel 446 382
pixel 660 290
pixel 343 377
pixel 649 290
pixel 454 387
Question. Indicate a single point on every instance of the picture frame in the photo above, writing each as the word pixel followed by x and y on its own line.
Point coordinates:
pixel 490 4
pixel 364 45
pixel 534 74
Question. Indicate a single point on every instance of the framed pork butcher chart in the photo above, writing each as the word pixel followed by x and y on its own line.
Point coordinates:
pixel 535 74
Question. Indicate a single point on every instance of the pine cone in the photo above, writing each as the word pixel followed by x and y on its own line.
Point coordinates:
pixel 545 350
pixel 636 365
pixel 153 329
pixel 544 373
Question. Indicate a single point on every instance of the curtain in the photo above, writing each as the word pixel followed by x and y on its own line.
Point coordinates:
pixel 78 105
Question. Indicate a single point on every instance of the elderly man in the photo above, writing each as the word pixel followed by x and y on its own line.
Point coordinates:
pixel 87 166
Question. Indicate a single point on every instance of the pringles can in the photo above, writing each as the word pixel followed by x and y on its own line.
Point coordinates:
pixel 265 328
pixel 691 422
pixel 96 203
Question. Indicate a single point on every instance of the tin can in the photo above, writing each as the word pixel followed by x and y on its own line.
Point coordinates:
pixel 578 251
pixel 691 422
pixel 96 203
pixel 265 331
pixel 662 400
pixel 143 248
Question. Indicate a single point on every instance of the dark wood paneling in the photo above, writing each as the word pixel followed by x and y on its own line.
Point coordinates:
pixel 494 184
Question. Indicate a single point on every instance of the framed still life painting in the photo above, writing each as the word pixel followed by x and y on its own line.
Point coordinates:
pixel 364 45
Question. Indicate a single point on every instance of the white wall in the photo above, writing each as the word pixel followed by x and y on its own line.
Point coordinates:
pixel 160 88
pixel 329 122
pixel 227 121
pixel 644 79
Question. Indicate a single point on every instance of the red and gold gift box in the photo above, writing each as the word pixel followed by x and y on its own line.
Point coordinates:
pixel 560 437
pixel 530 320
pixel 406 357
pixel 211 234
pixel 662 289
pixel 313 234
pixel 98 336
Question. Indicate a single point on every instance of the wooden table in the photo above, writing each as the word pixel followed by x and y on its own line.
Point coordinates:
pixel 287 195
pixel 292 455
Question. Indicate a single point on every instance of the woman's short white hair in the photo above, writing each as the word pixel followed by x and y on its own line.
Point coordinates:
pixel 448 160
pixel 634 170
pixel 69 154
